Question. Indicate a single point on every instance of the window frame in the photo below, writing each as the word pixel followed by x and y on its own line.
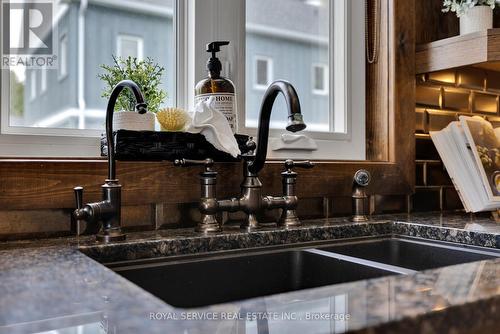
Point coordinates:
pixel 194 21
pixel 348 76
pixel 269 72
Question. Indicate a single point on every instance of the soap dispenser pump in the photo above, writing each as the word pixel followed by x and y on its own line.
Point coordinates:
pixel 222 89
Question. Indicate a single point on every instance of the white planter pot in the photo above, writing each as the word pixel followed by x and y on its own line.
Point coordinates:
pixel 477 18
pixel 131 120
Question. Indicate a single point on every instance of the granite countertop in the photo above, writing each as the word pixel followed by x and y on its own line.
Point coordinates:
pixel 56 283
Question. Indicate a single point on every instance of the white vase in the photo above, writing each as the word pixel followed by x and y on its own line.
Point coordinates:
pixel 477 18
pixel 131 120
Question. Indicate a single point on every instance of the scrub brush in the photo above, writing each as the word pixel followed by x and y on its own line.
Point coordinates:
pixel 172 119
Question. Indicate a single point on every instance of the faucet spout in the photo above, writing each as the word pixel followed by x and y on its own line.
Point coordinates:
pixel 140 107
pixel 295 120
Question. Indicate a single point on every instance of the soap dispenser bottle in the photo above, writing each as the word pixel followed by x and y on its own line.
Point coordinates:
pixel 219 87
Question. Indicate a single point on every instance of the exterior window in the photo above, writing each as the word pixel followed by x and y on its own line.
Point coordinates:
pixel 63 56
pixel 320 79
pixel 317 45
pixel 83 39
pixel 263 75
pixel 130 46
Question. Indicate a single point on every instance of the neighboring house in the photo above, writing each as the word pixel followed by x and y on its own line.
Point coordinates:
pixel 280 44
pixel 283 43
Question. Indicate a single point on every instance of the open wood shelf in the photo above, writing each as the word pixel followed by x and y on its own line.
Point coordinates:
pixel 480 49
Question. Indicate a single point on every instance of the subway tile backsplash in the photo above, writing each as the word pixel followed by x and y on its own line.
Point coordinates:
pixel 464 91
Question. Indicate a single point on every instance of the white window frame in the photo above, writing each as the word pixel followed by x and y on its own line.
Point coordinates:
pixel 195 24
pixel 347 61
pixel 325 83
pixel 137 39
pixel 269 72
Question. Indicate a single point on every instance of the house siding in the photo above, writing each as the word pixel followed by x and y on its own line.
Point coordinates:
pixel 289 57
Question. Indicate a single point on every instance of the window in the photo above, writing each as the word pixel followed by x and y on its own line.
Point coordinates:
pixel 130 46
pixel 263 72
pixel 318 46
pixel 84 38
pixel 320 79
pixel 63 56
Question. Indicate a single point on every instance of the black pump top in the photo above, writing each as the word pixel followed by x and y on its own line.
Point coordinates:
pixel 214 65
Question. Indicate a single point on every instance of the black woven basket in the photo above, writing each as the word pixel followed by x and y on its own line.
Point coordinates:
pixel 160 146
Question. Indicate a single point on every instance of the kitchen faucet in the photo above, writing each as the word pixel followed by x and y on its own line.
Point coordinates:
pixel 251 201
pixel 108 211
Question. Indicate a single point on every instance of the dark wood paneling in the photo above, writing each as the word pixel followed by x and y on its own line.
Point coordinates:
pixel 45 185
pixel 402 89
pixel 377 98
pixel 431 23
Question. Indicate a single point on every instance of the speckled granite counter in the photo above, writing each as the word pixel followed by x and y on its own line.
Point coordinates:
pixel 50 284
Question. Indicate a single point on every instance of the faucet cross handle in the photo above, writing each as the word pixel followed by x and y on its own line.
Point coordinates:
pixel 207 163
pixel 81 216
pixel 289 179
pixel 208 201
pixel 78 215
pixel 290 164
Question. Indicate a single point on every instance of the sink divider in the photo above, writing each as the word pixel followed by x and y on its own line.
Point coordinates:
pixel 368 263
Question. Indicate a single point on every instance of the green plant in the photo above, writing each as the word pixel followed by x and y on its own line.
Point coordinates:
pixel 145 73
pixel 460 7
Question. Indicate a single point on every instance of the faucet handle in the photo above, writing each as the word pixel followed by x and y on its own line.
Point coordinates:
pixel 78 197
pixel 79 215
pixel 290 164
pixel 207 163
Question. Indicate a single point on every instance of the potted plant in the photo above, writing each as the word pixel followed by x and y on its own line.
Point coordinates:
pixel 147 75
pixel 475 15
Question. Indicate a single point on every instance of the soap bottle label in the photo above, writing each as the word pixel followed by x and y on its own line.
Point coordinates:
pixel 225 103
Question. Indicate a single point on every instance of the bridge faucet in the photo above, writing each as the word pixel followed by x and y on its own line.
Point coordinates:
pixel 108 211
pixel 251 200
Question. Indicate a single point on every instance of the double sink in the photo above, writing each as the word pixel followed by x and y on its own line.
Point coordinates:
pixel 189 282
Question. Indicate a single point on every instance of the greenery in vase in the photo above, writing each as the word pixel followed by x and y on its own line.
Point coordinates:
pixel 145 73
pixel 460 7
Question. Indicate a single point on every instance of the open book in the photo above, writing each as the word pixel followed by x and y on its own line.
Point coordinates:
pixel 470 150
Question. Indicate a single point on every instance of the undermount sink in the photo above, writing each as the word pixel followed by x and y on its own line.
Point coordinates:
pixel 411 254
pixel 196 283
pixel 209 280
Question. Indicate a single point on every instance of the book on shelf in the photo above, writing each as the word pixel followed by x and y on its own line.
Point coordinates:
pixel 470 151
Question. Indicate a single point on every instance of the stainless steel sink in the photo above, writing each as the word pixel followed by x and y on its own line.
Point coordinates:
pixel 202 282
pixel 410 254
